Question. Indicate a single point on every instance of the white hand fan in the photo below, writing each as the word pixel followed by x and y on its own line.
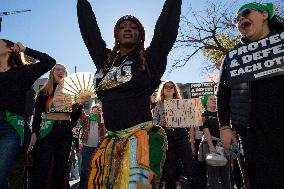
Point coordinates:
pixel 78 84
pixel 73 87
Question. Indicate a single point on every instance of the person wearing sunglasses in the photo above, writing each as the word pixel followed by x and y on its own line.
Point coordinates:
pixel 178 141
pixel 251 100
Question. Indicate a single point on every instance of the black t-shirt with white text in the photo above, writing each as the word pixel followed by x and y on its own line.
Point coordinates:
pixel 211 122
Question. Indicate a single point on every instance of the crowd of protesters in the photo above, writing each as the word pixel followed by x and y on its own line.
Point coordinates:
pixel 125 140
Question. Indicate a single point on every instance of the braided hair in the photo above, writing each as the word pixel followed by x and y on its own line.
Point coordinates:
pixel 115 52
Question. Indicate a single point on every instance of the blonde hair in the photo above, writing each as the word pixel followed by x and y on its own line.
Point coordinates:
pixel 160 94
pixel 48 86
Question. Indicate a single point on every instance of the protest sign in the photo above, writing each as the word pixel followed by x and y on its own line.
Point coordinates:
pixel 180 113
pixel 198 90
pixel 256 60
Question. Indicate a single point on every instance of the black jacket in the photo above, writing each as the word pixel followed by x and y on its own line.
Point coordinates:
pixel 233 101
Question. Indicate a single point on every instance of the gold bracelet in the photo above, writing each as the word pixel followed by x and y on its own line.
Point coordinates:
pixel 225 127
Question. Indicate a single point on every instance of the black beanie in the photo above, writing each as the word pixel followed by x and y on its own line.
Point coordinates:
pixel 133 19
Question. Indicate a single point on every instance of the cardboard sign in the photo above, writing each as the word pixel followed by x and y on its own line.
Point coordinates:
pixel 198 90
pixel 180 113
pixel 257 60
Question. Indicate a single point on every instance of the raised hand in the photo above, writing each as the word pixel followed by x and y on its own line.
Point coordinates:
pixel 18 47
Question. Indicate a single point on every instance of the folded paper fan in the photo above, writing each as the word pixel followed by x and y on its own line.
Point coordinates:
pixel 78 84
pixel 72 88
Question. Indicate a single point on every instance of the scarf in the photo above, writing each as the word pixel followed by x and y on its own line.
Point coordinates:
pixel 261 7
pixel 93 117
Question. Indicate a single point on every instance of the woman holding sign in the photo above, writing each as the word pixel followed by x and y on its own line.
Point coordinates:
pixel 250 95
pixel 178 140
pixel 53 134
pixel 16 79
pixel 126 77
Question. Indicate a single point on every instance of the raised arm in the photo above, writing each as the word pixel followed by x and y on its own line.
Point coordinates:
pixel 165 35
pixel 91 33
pixel 32 72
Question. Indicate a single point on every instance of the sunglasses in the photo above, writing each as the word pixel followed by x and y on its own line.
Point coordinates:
pixel 169 87
pixel 60 69
pixel 245 13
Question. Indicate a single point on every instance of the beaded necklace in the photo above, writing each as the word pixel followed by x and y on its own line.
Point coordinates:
pixel 111 72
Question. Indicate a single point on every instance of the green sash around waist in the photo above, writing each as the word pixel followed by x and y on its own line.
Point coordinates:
pixel 18 123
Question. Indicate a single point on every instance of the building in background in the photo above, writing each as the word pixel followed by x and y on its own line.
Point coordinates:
pixel 40 82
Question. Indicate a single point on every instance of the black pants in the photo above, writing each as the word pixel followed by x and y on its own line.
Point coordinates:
pixel 53 151
pixel 264 156
pixel 178 148
pixel 200 168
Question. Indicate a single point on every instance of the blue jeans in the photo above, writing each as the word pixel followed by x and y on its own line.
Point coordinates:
pixel 9 146
pixel 87 153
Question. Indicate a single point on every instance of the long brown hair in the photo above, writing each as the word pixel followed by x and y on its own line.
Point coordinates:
pixel 115 52
pixel 160 94
pixel 16 58
pixel 48 87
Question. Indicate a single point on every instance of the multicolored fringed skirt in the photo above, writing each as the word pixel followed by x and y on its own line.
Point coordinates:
pixel 131 158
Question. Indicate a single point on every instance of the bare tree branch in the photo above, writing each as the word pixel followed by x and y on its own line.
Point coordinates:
pixel 201 30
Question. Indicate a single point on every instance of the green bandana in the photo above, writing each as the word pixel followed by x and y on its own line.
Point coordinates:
pixel 204 100
pixel 46 126
pixel 94 117
pixel 18 122
pixel 261 7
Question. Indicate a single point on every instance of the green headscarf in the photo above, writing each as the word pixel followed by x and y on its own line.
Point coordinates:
pixel 261 7
pixel 205 99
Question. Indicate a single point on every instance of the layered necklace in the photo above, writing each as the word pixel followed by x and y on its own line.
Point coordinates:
pixel 104 83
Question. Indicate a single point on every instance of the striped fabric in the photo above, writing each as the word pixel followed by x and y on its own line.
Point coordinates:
pixel 131 158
